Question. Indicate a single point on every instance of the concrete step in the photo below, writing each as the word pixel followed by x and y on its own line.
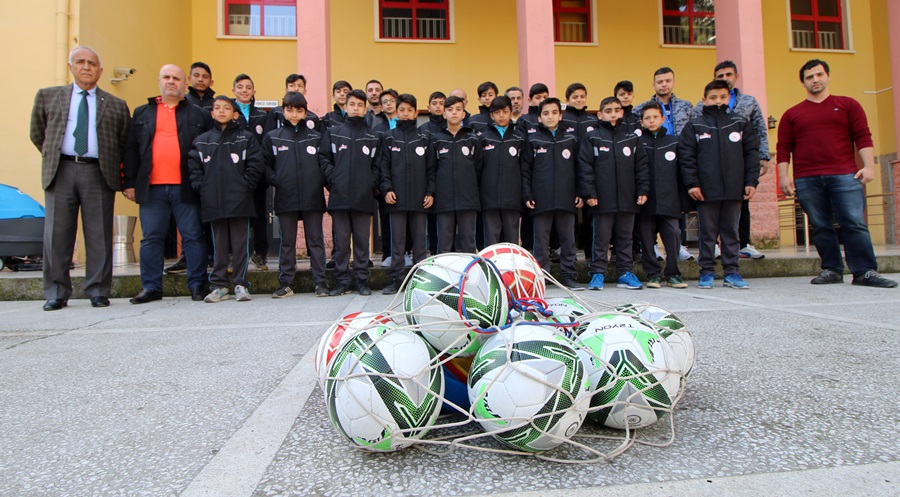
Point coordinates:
pixel 127 280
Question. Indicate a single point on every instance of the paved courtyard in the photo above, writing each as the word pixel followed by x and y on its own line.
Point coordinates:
pixel 794 393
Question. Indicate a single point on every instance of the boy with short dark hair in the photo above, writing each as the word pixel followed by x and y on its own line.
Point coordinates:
pixel 200 92
pixel 459 162
pixel 719 163
pixel 253 120
pixel 275 119
pixel 225 166
pixel 614 165
pixel 339 91
pixel 665 201
pixel 348 156
pixel 576 118
pixel 536 94
pixel 387 121
pixel 550 182
pixel 292 167
pixel 624 91
pixel 501 178
pixel 436 120
pixel 408 168
pixel 487 92
pixel 388 101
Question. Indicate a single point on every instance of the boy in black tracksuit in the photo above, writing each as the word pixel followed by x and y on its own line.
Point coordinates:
pixel 718 155
pixel 529 121
pixel 436 122
pixel 292 167
pixel 501 178
pixel 459 162
pixel 665 202
pixel 549 188
pixel 253 120
pixel 348 156
pixel 576 118
pixel 487 92
pixel 225 166
pixel 339 91
pixel 408 168
pixel 275 118
pixel 624 91
pixel 614 165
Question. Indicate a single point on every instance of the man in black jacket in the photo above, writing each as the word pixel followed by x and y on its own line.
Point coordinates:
pixel 348 156
pixel 156 177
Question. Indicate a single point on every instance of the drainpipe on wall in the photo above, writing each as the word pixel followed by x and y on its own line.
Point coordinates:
pixel 62 42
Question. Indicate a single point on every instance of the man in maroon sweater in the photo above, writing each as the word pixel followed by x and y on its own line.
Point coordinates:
pixel 820 133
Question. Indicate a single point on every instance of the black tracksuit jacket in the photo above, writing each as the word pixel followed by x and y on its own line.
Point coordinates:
pixel 614 165
pixel 408 167
pixel 348 156
pixel 667 196
pixel 292 167
pixel 550 174
pixel 501 175
pixel 459 162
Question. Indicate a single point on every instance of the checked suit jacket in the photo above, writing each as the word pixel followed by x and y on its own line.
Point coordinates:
pixel 48 125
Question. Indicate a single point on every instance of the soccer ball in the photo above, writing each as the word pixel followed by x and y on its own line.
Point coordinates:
pixel 337 334
pixel 672 329
pixel 630 366
pixel 518 268
pixel 529 388
pixel 450 295
pixel 565 310
pixel 384 388
pixel 657 315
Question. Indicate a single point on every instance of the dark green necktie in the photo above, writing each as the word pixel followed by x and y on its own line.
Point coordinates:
pixel 81 126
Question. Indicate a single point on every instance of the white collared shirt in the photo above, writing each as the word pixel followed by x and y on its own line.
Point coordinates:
pixel 68 143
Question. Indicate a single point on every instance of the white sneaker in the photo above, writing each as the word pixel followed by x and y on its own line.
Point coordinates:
pixel 718 252
pixel 241 294
pixel 750 252
pixel 656 252
pixel 217 295
pixel 386 262
pixel 408 260
pixel 684 255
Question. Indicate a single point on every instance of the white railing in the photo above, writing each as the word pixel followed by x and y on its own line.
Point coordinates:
pixel 681 35
pixel 573 32
pixel 248 25
pixel 427 28
pixel 804 38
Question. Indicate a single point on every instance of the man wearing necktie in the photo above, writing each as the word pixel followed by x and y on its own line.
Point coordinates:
pixel 80 131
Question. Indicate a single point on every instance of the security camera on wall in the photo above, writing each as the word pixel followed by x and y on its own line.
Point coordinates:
pixel 122 74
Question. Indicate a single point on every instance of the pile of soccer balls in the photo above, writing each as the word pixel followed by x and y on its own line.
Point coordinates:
pixel 474 336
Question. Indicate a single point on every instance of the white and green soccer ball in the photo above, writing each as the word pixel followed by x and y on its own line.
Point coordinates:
pixel 338 334
pixel 565 310
pixel 630 366
pixel 529 388
pixel 448 296
pixel 384 388
pixel 672 329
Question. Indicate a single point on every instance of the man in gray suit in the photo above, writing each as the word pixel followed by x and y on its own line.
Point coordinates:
pixel 80 131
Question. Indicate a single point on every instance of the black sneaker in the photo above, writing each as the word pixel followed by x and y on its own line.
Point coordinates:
pixel 180 267
pixel 340 289
pixel 872 278
pixel 321 290
pixel 260 262
pixel 283 292
pixel 392 288
pixel 828 276
pixel 570 283
pixel 554 255
pixel 362 288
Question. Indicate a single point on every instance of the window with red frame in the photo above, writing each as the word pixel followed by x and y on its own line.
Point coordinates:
pixel 414 19
pixel 260 17
pixel 689 22
pixel 572 21
pixel 817 24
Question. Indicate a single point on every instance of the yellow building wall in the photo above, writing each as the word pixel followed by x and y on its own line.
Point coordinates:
pixel 486 49
pixel 629 47
pixel 853 74
pixel 21 166
pixel 266 61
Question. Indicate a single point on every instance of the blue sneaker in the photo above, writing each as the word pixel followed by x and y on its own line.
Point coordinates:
pixel 596 282
pixel 629 281
pixel 735 281
pixel 706 281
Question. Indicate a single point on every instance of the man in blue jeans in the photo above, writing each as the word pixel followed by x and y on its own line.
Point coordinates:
pixel 820 133
pixel 156 177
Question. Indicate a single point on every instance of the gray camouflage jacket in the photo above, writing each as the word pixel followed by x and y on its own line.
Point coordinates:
pixel 682 111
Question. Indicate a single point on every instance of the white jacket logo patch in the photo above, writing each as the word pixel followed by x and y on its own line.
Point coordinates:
pixel 311 150
pixel 541 150
pixel 626 151
pixel 282 148
pixel 670 156
pixel 489 147
pixel 395 149
pixel 443 151
pixel 465 150
pixel 513 151
pixel 704 136
pixel 310 124
pixel 342 147
pixel 365 150
pixel 566 154
pixel 420 151
pixel 236 158
pixel 734 136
